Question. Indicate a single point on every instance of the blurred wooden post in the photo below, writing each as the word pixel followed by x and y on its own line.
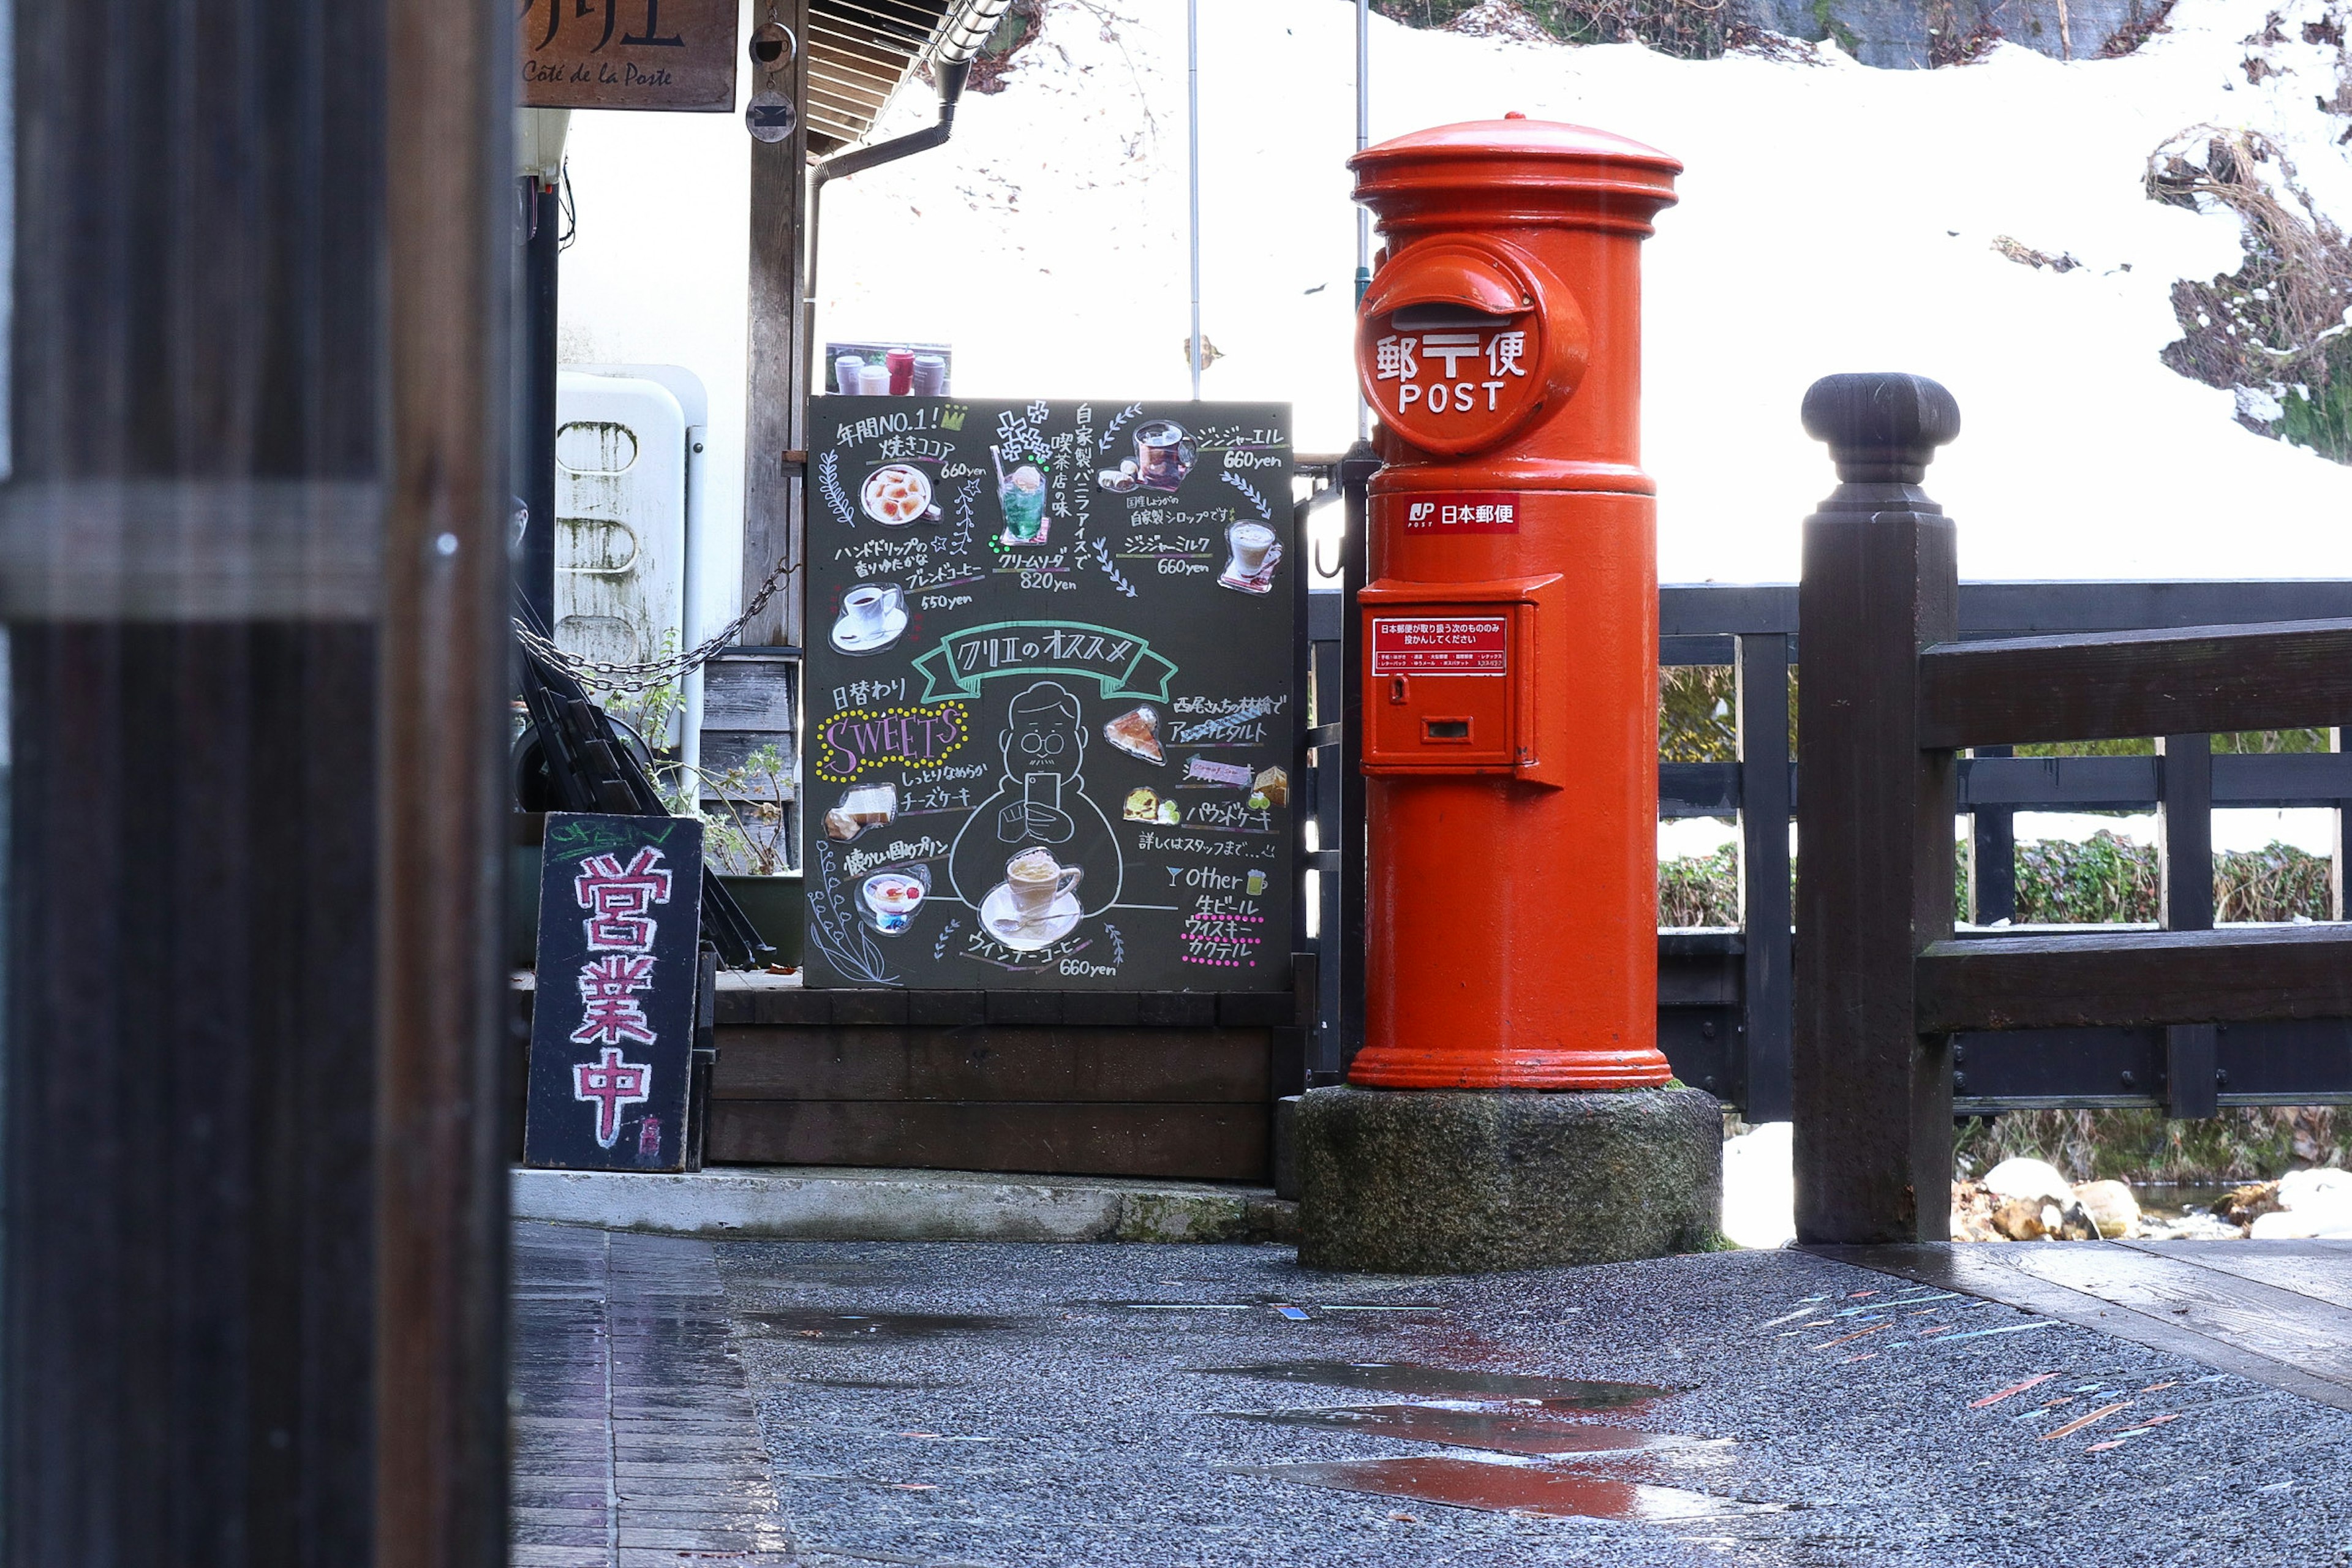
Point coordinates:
pixel 441 1186
pixel 1875 814
pixel 252 562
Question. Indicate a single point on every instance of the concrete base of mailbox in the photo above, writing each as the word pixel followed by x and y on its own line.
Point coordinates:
pixel 1464 1181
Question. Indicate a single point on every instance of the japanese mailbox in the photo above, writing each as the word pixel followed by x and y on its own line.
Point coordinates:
pixel 1510 624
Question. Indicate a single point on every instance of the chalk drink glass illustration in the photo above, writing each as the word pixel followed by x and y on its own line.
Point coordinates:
pixel 1035 881
pixel 1022 493
pixel 1250 543
pixel 1163 453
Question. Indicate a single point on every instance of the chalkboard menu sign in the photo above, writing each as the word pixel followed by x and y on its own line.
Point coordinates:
pixel 1052 708
pixel 612 1022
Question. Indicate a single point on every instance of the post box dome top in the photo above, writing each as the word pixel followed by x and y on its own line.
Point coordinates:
pixel 1548 143
pixel 1612 178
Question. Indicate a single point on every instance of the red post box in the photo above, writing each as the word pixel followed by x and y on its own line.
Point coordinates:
pixel 1511 626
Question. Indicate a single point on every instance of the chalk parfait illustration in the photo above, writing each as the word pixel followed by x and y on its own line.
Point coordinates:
pixel 1038 854
pixel 1021 491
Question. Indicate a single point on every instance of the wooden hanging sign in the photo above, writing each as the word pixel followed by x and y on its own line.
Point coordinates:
pixel 676 55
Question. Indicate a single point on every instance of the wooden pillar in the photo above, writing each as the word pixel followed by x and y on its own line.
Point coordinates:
pixel 776 394
pixel 1875 815
pixel 441 1183
pixel 251 565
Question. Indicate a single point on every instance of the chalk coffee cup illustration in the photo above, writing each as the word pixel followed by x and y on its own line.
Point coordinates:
pixel 892 897
pixel 1163 453
pixel 872 617
pixel 1036 882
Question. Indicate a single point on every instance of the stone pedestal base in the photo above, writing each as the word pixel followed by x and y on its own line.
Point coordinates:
pixel 1465 1182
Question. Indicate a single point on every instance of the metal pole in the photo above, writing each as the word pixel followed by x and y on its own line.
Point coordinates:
pixel 1192 129
pixel 1363 213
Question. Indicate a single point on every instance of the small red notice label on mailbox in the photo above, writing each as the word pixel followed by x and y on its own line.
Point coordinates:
pixel 1462 512
pixel 1450 645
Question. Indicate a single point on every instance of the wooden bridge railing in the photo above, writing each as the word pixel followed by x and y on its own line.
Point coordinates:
pixel 1891 695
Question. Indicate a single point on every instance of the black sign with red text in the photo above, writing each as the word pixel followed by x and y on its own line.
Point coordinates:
pixel 612 1027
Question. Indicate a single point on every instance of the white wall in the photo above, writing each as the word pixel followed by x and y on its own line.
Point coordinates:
pixel 658 276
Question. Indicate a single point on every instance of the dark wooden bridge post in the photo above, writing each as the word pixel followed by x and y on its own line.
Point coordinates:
pixel 1874 821
pixel 1762 676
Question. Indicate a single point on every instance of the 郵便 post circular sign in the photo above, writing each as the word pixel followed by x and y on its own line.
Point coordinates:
pixel 1461 344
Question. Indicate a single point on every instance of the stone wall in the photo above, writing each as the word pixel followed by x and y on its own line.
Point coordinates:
pixel 1912 35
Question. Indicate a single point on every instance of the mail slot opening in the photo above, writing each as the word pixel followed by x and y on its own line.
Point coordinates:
pixel 1445 729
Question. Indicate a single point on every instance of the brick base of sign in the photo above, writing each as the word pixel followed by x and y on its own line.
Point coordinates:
pixel 1445 1182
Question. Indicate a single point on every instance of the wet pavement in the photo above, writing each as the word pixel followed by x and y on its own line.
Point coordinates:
pixel 634 1439
pixel 1159 1405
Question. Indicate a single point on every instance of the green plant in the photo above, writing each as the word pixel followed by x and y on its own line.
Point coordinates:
pixel 649 711
pixel 2141 1144
pixel 750 833
pixel 2104 879
pixel 2320 418
pixel 1699 713
pixel 1700 890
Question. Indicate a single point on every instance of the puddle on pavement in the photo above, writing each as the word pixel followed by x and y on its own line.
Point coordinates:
pixel 1503 1486
pixel 1261 1303
pixel 1522 1431
pixel 811 1324
pixel 1451 1383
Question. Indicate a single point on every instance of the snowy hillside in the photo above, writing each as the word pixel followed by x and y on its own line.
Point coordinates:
pixel 1832 218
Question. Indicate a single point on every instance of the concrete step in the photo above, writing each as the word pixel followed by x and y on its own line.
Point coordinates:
pixel 818 1202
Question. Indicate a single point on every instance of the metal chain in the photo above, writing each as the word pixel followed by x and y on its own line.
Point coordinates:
pixel 605 676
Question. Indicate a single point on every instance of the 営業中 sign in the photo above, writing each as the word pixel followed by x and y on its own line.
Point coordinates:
pixel 629 54
pixel 1052 699
pixel 612 1027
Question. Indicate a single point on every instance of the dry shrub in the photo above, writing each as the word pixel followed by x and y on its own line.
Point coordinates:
pixel 2275 331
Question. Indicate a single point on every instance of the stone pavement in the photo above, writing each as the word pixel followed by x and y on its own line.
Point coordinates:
pixel 943 1404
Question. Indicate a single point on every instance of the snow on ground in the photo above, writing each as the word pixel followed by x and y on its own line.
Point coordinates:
pixel 1833 217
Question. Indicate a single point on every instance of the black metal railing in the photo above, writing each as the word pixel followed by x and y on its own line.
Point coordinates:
pixel 1725 995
